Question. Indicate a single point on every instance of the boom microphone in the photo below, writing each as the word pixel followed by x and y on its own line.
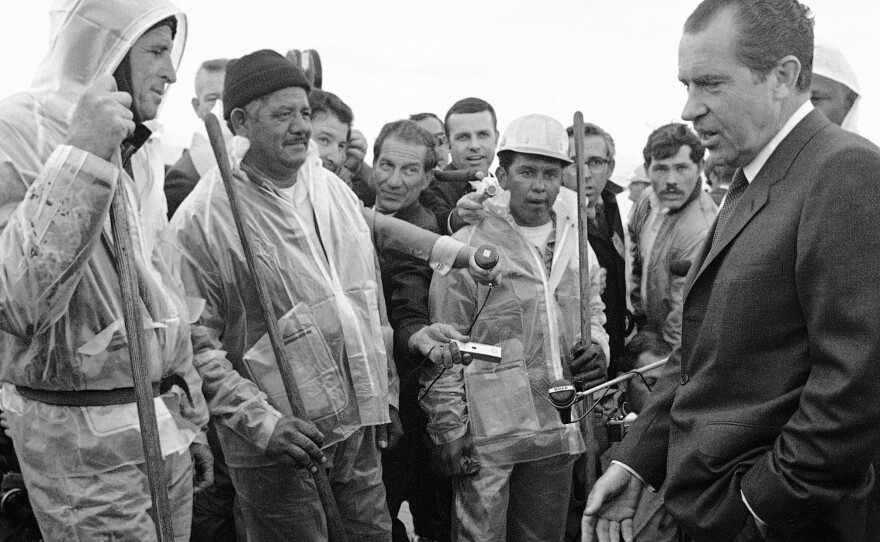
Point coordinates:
pixel 456 175
pixel 562 395
pixel 680 268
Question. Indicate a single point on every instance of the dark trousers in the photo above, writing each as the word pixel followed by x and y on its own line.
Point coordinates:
pixel 408 476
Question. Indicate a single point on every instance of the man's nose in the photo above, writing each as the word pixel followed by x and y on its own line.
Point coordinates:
pixel 693 107
pixel 167 70
pixel 395 179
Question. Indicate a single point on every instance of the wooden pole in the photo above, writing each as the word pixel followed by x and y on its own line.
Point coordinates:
pixel 335 527
pixel 140 367
pixel 586 309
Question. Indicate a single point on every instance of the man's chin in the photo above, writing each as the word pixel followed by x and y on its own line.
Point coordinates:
pixel 387 208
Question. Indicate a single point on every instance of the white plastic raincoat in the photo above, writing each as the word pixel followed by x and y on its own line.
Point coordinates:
pixel 321 270
pixel 536 320
pixel 330 307
pixel 60 307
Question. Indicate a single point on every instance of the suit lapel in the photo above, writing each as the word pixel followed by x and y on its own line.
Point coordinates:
pixel 755 197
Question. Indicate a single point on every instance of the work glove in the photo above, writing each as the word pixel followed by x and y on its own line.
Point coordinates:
pixel 203 466
pixel 456 458
pixel 589 367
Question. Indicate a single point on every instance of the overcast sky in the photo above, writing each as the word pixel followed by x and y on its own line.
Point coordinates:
pixel 615 60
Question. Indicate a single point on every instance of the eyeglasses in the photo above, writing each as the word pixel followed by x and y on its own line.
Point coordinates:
pixel 596 164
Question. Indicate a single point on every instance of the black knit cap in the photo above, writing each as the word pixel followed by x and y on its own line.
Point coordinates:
pixel 258 74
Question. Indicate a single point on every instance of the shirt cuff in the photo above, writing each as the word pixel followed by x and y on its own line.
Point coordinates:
pixel 634 473
pixel 443 254
pixel 762 527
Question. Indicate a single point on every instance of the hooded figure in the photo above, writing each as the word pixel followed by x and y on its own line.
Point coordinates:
pixel 829 62
pixel 67 385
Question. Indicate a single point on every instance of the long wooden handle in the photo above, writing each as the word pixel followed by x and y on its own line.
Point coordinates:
pixel 140 367
pixel 586 308
pixel 335 527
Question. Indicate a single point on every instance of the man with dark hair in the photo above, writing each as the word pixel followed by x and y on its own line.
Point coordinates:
pixel 71 142
pixel 472 132
pixel 435 126
pixel 764 423
pixel 494 427
pixel 314 242
pixel 196 161
pixel 341 148
pixel 667 229
pixel 404 157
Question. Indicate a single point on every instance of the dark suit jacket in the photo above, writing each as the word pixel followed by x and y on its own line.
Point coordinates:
pixel 405 282
pixel 440 198
pixel 180 180
pixel 775 388
pixel 610 255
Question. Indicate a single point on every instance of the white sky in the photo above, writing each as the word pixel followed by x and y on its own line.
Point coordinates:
pixel 615 60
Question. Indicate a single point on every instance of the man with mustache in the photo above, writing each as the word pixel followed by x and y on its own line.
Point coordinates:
pixel 313 241
pixel 667 229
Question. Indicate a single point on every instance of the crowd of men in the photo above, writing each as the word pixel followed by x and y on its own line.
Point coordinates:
pixel 742 253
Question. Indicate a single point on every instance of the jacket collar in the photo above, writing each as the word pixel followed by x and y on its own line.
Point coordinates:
pixel 755 196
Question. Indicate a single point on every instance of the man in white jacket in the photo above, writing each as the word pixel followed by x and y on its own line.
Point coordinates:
pixel 493 425
pixel 69 143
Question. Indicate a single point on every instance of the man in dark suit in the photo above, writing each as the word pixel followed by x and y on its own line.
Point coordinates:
pixel 765 422
pixel 472 131
pixel 405 155
pixel 606 229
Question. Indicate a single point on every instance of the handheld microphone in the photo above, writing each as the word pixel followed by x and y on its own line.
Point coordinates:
pixel 458 175
pixel 680 268
pixel 562 395
pixel 486 256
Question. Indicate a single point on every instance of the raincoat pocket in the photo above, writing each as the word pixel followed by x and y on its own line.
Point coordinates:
pixel 318 379
pixel 499 399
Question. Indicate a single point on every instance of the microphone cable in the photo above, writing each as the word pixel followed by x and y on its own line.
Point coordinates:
pixel 474 321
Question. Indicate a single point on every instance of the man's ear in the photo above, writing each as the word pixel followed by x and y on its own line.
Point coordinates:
pixel 238 119
pixel 786 72
pixel 501 175
pixel 195 104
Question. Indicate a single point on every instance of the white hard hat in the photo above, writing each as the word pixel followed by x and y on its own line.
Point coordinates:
pixel 536 134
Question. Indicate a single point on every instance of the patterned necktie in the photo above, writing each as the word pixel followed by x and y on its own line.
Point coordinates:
pixel 737 187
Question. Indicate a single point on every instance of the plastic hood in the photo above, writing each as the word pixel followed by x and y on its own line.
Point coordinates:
pixel 89 38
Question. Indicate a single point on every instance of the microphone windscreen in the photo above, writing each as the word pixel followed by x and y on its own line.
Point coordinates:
pixel 680 268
